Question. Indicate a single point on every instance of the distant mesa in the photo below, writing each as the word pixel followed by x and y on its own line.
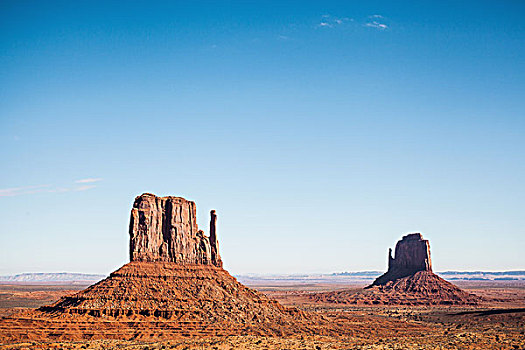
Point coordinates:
pixel 408 281
pixel 412 255
pixel 61 277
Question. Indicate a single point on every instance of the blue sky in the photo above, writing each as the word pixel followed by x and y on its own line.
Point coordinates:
pixel 321 132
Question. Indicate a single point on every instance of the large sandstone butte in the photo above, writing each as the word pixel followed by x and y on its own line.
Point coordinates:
pixel 165 229
pixel 174 286
pixel 408 281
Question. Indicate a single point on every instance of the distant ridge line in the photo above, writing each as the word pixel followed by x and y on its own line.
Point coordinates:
pixel 52 277
pixel 451 275
pixel 510 272
pixel 513 275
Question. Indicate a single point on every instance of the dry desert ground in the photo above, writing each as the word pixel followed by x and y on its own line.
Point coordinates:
pixel 497 323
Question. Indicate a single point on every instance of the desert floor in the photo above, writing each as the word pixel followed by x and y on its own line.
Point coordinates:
pixel 497 324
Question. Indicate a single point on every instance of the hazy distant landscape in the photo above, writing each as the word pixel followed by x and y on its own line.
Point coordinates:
pixel 367 276
pixel 339 277
pixel 52 277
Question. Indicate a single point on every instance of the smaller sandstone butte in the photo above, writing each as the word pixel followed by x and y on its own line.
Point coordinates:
pixel 408 281
pixel 165 229
pixel 412 255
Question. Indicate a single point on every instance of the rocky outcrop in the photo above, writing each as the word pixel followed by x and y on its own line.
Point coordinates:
pixel 174 286
pixel 412 254
pixel 421 288
pixel 214 242
pixel 408 281
pixel 165 229
pixel 166 291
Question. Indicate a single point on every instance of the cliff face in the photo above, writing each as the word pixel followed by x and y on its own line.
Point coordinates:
pixel 165 229
pixel 412 254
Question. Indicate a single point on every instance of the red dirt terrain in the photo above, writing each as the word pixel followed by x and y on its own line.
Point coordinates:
pixel 491 325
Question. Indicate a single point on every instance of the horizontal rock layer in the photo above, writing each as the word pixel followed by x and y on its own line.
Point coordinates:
pixel 197 293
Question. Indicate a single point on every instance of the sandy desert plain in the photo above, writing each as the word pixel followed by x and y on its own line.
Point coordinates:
pixel 499 323
pixel 174 294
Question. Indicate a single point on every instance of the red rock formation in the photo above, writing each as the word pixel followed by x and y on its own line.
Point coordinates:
pixel 175 274
pixel 408 281
pixel 214 242
pixel 174 286
pixel 200 293
pixel 421 288
pixel 151 301
pixel 412 255
pixel 165 229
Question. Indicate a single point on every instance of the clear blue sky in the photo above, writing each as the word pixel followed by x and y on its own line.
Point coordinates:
pixel 321 132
